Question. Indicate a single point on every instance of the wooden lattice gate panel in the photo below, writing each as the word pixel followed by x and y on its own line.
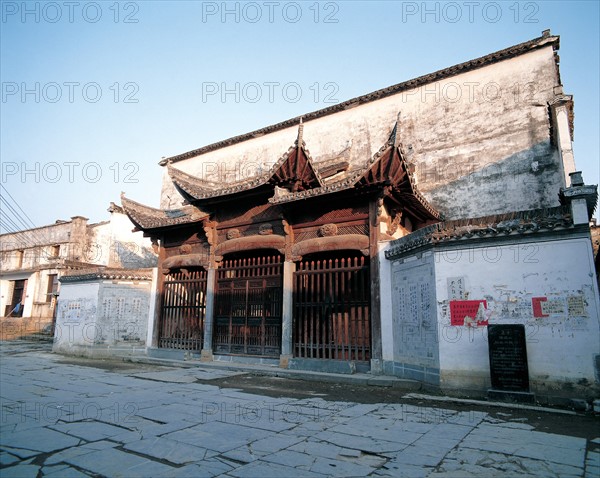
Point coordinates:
pixel 183 310
pixel 332 309
pixel 248 306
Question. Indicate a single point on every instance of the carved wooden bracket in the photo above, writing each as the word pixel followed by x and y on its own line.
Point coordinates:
pixel 356 242
pixel 251 242
pixel 187 260
pixel 394 222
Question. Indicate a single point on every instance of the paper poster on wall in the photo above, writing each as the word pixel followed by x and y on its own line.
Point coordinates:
pixel 456 288
pixel 544 307
pixel 576 306
pixel 536 304
pixel 470 313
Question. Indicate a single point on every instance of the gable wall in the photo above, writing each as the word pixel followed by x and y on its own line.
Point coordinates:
pixel 480 141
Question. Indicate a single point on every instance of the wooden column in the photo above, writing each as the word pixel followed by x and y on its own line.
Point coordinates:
pixel 376 351
pixel 287 315
pixel 154 312
pixel 207 353
pixel 210 229
pixel 153 334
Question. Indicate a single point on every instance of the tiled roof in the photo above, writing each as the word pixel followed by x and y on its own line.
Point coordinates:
pixel 145 217
pixel 107 274
pixel 387 167
pixel 281 171
pixel 516 223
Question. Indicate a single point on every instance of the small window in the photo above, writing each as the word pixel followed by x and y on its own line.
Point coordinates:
pixel 20 259
pixel 55 251
pixel 52 287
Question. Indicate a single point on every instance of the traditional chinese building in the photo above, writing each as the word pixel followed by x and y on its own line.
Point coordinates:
pixel 272 243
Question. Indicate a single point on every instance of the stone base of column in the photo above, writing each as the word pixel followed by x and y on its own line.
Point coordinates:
pixel 376 367
pixel 206 355
pixel 284 360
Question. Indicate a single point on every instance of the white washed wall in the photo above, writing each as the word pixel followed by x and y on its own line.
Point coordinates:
pixel 561 347
pixel 76 315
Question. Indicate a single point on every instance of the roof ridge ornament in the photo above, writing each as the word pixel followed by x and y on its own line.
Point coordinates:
pixel 300 138
pixel 395 134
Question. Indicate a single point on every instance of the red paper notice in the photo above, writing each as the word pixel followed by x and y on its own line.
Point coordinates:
pixel 468 312
pixel 536 303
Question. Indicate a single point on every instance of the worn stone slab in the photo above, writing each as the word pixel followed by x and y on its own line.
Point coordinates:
pixel 167 414
pixel 482 463
pixel 7 459
pixel 174 376
pixel 291 458
pixel 65 455
pixel 39 439
pixel 341 468
pixel 593 459
pixel 59 471
pixel 395 469
pixel 218 436
pixel 166 449
pixel 20 471
pixel 116 463
pixel 275 443
pixel 417 456
pixel 20 452
pixel 244 454
pixel 363 443
pixel 270 470
pixel 560 455
pixel 394 435
pixel 89 430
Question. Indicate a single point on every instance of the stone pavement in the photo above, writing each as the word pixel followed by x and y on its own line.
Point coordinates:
pixel 62 420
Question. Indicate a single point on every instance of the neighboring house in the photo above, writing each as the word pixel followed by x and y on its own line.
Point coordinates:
pixel 324 242
pixel 103 311
pixel 34 260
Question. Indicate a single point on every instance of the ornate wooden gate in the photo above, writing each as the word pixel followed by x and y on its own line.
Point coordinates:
pixel 332 309
pixel 182 310
pixel 248 306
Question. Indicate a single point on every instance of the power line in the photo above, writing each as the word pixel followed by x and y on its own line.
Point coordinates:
pixel 17 204
pixel 10 221
pixel 14 219
pixel 15 214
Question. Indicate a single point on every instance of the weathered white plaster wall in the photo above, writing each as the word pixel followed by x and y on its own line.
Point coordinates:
pixel 114 244
pixel 412 323
pixel 561 347
pixel 76 316
pixel 96 316
pixel 385 295
pixel 479 140
pixel 123 312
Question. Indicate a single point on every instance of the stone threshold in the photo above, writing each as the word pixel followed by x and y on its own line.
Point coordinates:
pixel 274 371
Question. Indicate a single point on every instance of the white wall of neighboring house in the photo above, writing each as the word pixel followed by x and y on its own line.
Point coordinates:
pixel 34 254
pixel 76 316
pixel 547 286
pixel 99 315
pixel 114 244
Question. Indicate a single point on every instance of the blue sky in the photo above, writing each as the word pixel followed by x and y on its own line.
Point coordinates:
pixel 95 93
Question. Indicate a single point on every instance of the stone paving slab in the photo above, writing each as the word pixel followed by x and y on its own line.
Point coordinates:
pixel 39 439
pixel 116 463
pixel 83 422
pixel 63 471
pixel 185 375
pixel 170 450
